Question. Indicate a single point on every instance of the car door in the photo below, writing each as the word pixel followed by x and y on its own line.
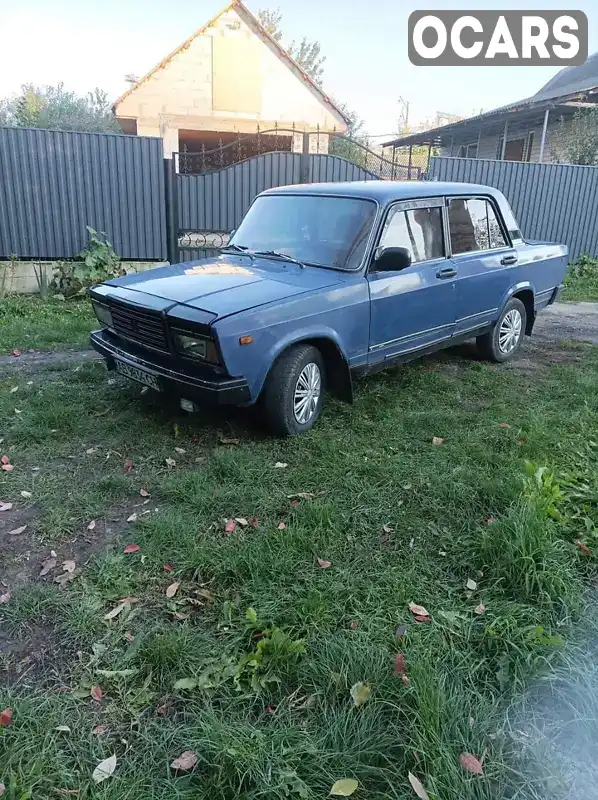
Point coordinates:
pixel 483 257
pixel 414 307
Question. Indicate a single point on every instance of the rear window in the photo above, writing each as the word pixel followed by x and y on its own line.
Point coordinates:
pixel 474 226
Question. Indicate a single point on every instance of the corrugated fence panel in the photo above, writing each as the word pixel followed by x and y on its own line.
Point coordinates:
pixel 55 183
pixel 325 168
pixel 217 201
pixel 552 202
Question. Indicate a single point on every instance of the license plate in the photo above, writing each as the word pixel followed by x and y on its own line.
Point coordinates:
pixel 139 375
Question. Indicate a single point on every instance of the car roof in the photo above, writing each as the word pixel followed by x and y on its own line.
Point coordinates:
pixel 386 191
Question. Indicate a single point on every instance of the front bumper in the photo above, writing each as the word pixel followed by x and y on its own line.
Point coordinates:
pixel 213 391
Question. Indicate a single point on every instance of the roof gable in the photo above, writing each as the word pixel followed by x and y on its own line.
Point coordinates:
pixel 252 22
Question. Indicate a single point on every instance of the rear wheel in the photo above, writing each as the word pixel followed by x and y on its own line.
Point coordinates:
pixel 504 340
pixel 294 392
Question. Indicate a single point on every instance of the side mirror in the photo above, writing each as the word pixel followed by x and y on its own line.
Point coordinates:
pixel 392 259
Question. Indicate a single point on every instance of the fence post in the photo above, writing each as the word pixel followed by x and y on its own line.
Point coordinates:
pixel 172 213
pixel 304 170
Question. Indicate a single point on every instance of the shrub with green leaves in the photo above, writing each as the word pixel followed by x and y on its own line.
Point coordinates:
pixel 96 263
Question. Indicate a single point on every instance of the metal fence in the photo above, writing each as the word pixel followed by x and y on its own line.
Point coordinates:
pixel 552 202
pixel 55 183
pixel 213 203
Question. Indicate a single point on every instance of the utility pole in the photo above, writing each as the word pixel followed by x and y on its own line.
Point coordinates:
pixel 403 113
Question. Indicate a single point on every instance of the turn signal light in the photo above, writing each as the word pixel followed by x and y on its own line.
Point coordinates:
pixel 246 340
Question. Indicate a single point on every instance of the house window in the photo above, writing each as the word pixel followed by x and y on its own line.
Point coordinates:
pixel 474 226
pixel 514 151
pixel 530 146
pixel 468 150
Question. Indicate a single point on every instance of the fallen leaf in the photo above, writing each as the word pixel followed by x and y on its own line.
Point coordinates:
pixel 96 693
pixel 344 788
pixel 471 585
pixel 185 761
pixel 132 518
pixel 504 425
pixel 178 615
pixel 5 598
pixel 144 493
pixel 26 495
pixel 270 709
pixel 420 618
pixel 418 611
pixel 14 389
pixel 281 526
pixel 324 564
pixel 90 451
pixel 17 531
pixel 129 466
pixel 4 460
pixel 104 769
pixel 47 566
pixel 387 529
pixel 471 764
pixel 583 547
pixel 360 693
pixel 301 496
pixel 400 664
pixel 7 467
pixel 471 723
pixel 489 520
pixel 172 589
pixel 418 787
pixel 438 440
pixel 163 710
pixel 16 353
pixel 480 609
pixel 229 441
pixel 5 506
pixel 185 683
pixel 62 729
pixel 5 717
pixel 253 522
pixel 170 462
pixel 129 636
pixel 280 465
pixel 69 566
pixel 354 625
pixel 115 611
pixel 181 451
pixel 167 567
pixel 2 789
pixel 66 577
pixel 91 525
pixel 242 521
pixel 131 548
pixel 99 730
pixel 230 526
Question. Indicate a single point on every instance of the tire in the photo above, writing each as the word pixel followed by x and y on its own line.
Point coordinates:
pixel 503 342
pixel 300 368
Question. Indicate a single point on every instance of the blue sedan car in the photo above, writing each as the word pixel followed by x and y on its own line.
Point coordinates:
pixel 324 282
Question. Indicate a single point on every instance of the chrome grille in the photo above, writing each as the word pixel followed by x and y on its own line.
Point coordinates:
pixel 139 325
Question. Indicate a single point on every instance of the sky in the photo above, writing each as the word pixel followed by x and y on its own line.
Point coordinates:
pixel 89 43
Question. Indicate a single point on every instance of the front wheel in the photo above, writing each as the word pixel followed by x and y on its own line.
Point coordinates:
pixel 294 392
pixel 506 337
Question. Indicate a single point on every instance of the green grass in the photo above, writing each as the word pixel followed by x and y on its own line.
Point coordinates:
pixel 269 712
pixel 27 322
pixel 581 282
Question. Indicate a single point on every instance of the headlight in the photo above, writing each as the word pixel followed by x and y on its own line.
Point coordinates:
pixel 103 314
pixel 193 346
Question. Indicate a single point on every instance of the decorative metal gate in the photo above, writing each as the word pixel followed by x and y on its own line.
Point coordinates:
pixel 210 190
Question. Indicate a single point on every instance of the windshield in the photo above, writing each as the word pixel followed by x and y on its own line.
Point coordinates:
pixel 316 230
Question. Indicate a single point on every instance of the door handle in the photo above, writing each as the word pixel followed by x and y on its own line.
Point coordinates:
pixel 447 272
pixel 510 259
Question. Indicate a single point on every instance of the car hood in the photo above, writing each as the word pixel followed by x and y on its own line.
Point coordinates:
pixel 226 284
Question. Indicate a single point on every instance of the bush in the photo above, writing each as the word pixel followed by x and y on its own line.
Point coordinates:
pixel 96 263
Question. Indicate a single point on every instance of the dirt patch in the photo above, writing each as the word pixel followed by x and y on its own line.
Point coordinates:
pixel 37 360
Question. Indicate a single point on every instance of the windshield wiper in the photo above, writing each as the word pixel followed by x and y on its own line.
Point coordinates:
pixel 237 248
pixel 276 254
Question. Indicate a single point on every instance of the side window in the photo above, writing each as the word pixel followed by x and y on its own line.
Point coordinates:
pixel 473 226
pixel 418 229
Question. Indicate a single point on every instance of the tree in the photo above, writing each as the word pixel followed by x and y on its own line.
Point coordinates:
pixel 306 53
pixel 576 140
pixel 54 107
pixel 271 20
